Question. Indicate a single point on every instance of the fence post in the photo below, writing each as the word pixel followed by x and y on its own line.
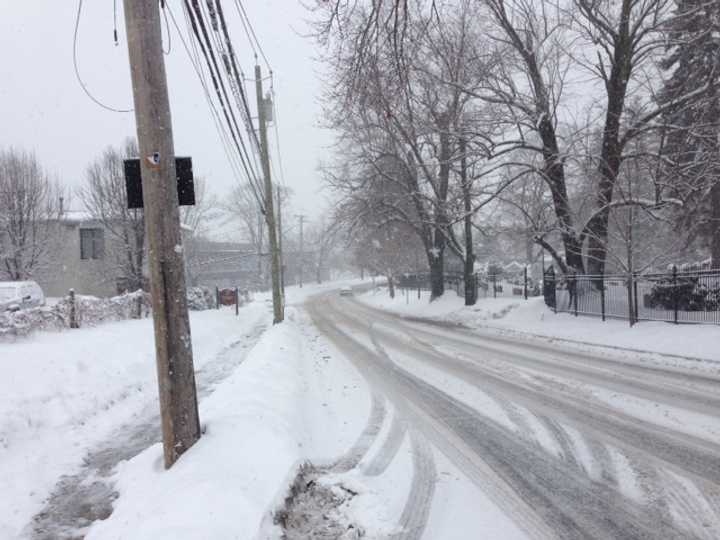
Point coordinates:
pixel 494 282
pixel 217 297
pixel 237 301
pixel 635 293
pixel 73 310
pixel 602 296
pixel 631 311
pixel 525 288
pixel 575 293
pixel 675 294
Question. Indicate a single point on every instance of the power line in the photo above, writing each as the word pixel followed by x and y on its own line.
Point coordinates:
pixel 198 26
pixel 243 14
pixel 77 70
pixel 236 160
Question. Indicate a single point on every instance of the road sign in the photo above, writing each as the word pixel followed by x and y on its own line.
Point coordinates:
pixel 185 183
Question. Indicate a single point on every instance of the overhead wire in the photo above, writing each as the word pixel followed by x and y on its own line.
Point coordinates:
pixel 220 128
pixel 198 27
pixel 243 15
pixel 234 159
pixel 77 69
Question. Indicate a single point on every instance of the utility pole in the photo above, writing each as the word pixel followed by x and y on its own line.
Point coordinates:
pixel 278 314
pixel 301 258
pixel 173 345
pixel 280 243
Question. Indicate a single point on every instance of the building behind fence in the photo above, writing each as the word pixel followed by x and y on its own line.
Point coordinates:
pixel 678 297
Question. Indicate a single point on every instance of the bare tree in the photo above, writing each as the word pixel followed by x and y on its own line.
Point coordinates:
pixel 105 199
pixel 547 46
pixel 241 208
pixel 195 221
pixel 403 114
pixel 29 209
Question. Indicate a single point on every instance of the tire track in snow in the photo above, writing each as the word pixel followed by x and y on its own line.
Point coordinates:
pixel 570 502
pixel 381 461
pixel 357 451
pixel 416 512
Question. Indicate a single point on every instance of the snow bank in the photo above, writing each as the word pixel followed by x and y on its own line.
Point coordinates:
pixel 62 393
pixel 91 311
pixel 287 403
pixel 532 319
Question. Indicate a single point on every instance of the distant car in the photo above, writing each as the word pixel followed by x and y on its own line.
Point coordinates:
pixel 346 291
pixel 17 295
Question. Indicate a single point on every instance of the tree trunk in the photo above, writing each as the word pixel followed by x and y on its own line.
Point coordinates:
pixel 469 269
pixel 715 226
pixel 437 255
pixel 437 275
pixel 391 286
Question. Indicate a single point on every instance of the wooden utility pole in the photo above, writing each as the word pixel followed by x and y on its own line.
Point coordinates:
pixel 173 345
pixel 278 312
pixel 280 243
pixel 301 258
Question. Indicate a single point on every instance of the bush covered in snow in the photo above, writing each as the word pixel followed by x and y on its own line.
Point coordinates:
pixel 200 298
pixel 688 292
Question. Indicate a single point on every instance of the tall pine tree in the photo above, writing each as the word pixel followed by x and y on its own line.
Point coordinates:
pixel 692 134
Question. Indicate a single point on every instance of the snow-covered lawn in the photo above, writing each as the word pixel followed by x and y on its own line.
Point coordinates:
pixel 63 392
pixel 531 318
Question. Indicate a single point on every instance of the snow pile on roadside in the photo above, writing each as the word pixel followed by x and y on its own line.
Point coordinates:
pixel 531 318
pixel 64 392
pixel 287 403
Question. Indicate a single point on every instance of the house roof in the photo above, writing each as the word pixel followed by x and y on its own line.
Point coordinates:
pixel 76 216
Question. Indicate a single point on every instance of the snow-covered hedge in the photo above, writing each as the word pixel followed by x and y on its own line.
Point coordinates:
pixel 91 311
pixel 200 298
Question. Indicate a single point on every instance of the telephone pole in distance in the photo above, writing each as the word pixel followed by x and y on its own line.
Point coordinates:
pixel 278 312
pixel 301 258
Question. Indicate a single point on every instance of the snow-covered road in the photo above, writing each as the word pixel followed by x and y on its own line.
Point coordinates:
pixel 566 444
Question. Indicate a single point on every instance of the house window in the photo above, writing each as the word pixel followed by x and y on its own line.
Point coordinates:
pixel 92 244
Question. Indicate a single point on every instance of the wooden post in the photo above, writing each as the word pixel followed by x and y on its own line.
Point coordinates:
pixel 676 299
pixel 278 312
pixel 575 295
pixel 173 345
pixel 237 301
pixel 525 288
pixel 280 245
pixel 73 310
pixel 602 297
pixel 217 297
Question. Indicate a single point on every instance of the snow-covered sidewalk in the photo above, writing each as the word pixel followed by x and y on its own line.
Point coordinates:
pixel 533 320
pixel 65 392
pixel 288 403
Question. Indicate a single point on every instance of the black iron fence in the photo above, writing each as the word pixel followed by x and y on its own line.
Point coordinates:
pixel 487 285
pixel 678 297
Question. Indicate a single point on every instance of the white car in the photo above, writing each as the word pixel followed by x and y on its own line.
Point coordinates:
pixel 16 295
pixel 346 291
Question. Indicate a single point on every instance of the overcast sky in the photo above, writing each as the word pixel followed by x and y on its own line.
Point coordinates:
pixel 43 108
